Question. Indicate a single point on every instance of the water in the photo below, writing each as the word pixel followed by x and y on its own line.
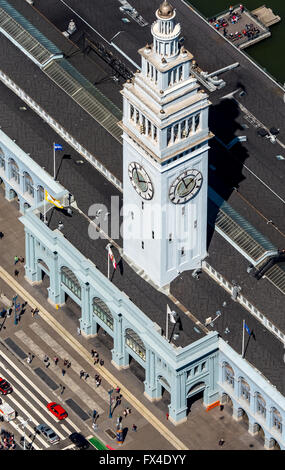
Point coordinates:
pixel 269 52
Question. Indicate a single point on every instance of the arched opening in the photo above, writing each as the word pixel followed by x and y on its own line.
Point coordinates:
pixel 244 390
pixel 41 193
pixel 195 397
pixel 259 433
pixel 228 375
pixel 137 353
pixel 101 311
pixel 276 420
pixel 28 185
pixel 227 402
pixel 14 172
pixel 273 444
pixel 260 405
pixel 2 161
pixel 26 206
pixel 2 187
pixel 165 394
pixel 244 418
pixel 43 276
pixel 72 292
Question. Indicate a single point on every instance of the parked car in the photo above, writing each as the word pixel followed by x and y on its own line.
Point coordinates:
pixel 79 440
pixel 48 433
pixel 5 387
pixel 57 410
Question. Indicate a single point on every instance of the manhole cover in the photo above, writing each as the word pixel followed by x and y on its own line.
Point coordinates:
pixel 110 433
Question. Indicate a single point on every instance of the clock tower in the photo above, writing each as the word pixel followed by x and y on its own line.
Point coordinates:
pixel 165 158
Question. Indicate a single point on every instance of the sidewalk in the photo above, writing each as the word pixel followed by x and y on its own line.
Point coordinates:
pixel 202 429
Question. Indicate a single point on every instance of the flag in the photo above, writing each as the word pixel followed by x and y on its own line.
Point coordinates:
pixel 172 314
pixel 247 329
pixel 54 201
pixel 57 147
pixel 112 257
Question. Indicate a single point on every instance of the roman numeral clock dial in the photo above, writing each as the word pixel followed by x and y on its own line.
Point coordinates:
pixel 186 186
pixel 140 180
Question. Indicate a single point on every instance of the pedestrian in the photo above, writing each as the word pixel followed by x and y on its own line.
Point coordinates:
pixel 29 359
pixel 16 259
pixel 68 364
pixel 128 410
pixel 1 235
pixel 16 272
pixel 117 389
pixel 94 414
pixel 22 259
pixel 10 312
pixel 101 362
pixel 81 373
pixel 167 416
pixel 46 358
pixel 221 407
pixel 125 413
pixel 96 361
pixel 47 365
pixel 134 428
pixel 63 371
pixel 55 360
pixel 241 7
pixel 231 9
pixel 221 441
pixel 65 362
pixel 93 352
pixel 86 376
pixel 62 389
pixel 78 331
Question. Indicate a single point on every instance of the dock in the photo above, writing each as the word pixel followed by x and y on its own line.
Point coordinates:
pixel 244 27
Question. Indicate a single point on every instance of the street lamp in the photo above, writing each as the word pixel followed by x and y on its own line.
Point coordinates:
pixel 24 424
pixel 110 409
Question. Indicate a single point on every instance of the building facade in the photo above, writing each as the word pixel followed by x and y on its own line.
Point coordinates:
pixel 165 158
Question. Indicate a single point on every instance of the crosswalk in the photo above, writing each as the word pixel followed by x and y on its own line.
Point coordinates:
pixel 29 400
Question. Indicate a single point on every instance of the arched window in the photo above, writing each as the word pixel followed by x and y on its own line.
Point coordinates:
pixel 15 171
pixel 103 312
pixel 260 405
pixel 2 159
pixel 197 122
pixel 135 343
pixel 229 375
pixel 70 281
pixel 41 193
pixel 245 390
pixel 28 185
pixel 276 420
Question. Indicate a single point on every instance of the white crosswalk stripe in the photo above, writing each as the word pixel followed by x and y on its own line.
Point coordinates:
pixel 67 381
pixel 31 395
pixel 58 349
pixel 27 439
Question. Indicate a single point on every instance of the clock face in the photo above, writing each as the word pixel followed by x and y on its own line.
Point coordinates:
pixel 140 180
pixel 186 186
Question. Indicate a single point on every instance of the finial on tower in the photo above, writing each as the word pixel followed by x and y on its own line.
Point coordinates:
pixel 165 10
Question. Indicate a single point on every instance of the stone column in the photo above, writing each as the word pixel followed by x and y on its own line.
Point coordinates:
pixel 151 390
pixel 56 295
pixel 86 324
pixel 31 271
pixel 178 405
pixel 120 358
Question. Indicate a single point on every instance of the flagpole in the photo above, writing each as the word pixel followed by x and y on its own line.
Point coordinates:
pixel 45 208
pixel 243 323
pixel 54 161
pixel 166 324
pixel 108 264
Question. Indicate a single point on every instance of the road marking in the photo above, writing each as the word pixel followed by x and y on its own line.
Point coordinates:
pixel 31 394
pixel 108 376
pixel 36 410
pixel 57 370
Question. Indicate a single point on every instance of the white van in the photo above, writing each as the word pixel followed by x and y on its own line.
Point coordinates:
pixel 7 412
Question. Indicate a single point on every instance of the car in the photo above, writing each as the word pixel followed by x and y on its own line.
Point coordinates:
pixel 5 387
pixel 57 410
pixel 79 440
pixel 48 433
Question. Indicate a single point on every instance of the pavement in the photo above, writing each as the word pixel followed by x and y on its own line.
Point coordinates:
pixel 202 429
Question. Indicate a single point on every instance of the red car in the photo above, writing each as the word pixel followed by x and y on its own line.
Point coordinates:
pixel 57 410
pixel 5 387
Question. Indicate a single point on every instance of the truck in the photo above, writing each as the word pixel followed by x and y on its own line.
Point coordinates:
pixel 7 412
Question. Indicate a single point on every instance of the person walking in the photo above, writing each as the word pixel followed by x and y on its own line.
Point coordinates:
pixel 1 235
pixel 78 331
pixel 16 272
pixel 55 360
pixel 81 373
pixel 221 442
pixel 46 358
pixel 47 364
pixel 63 371
pixel 167 416
pixel 16 259
pixel 86 376
pixel 93 352
pixel 134 428
pixel 62 389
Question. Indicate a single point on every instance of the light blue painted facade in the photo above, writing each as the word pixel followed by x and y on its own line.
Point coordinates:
pixel 23 178
pixel 178 370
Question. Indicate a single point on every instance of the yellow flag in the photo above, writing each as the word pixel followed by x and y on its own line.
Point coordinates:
pixel 54 201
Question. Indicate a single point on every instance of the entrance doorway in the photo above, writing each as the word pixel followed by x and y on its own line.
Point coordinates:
pixel 195 397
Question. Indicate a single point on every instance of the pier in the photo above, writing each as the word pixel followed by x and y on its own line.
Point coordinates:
pixel 243 27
